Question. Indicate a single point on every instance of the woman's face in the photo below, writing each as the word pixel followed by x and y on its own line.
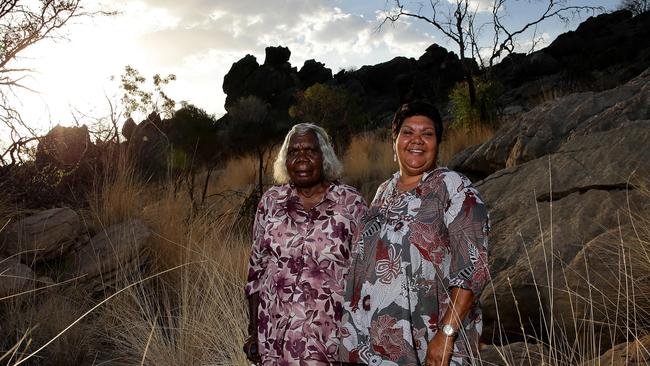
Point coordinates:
pixel 416 146
pixel 304 160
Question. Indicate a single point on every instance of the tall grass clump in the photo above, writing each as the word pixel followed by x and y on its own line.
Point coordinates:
pixel 187 307
pixel 457 139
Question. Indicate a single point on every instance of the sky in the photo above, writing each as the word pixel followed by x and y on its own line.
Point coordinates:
pixel 198 41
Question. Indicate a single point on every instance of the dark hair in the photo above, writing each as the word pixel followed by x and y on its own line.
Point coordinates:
pixel 417 108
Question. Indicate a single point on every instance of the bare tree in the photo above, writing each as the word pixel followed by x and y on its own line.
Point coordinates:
pixel 23 24
pixel 636 6
pixel 457 20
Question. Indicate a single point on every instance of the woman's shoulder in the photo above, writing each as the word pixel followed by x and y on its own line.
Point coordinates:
pixel 347 191
pixel 276 191
pixel 449 177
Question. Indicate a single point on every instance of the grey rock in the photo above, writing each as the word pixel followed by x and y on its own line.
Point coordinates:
pixel 111 256
pixel 543 214
pixel 14 277
pixel 546 128
pixel 42 236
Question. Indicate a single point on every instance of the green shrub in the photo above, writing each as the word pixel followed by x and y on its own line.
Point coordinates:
pixel 484 112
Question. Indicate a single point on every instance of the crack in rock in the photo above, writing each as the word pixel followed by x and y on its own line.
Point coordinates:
pixel 555 196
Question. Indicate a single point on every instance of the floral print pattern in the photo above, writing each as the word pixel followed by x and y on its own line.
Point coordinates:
pixel 411 249
pixel 297 265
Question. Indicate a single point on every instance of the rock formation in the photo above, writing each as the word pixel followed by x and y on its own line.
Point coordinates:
pixel 112 257
pixel 43 236
pixel 561 182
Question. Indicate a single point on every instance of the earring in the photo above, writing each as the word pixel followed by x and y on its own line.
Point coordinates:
pixel 394 157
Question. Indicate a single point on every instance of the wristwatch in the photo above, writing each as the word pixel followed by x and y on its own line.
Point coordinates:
pixel 448 330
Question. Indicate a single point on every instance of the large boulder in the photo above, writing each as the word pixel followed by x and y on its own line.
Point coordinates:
pixel 544 213
pixel 43 236
pixel 547 127
pixel 112 257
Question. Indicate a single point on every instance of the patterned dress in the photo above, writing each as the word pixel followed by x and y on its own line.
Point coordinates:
pixel 413 247
pixel 298 262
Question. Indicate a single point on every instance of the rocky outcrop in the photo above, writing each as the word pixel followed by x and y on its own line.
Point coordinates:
pixel 603 52
pixel 547 214
pixel 275 81
pixel 43 236
pixel 64 147
pixel 55 238
pixel 548 127
pixel 313 72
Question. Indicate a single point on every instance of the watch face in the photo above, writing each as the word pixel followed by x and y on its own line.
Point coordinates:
pixel 448 330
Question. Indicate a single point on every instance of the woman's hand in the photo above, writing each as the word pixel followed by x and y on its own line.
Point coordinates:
pixel 439 350
pixel 251 349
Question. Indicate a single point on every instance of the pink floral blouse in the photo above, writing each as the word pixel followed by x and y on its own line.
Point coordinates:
pixel 297 264
pixel 412 248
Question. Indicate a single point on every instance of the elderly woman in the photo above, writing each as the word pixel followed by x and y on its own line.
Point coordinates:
pixel 420 261
pixel 301 249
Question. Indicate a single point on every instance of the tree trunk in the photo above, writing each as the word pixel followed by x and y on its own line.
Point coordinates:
pixel 260 172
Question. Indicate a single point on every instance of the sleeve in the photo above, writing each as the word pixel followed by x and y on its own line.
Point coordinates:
pixel 467 222
pixel 358 211
pixel 258 258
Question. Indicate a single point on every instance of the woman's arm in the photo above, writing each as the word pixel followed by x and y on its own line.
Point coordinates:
pixel 441 345
pixel 256 271
pixel 251 347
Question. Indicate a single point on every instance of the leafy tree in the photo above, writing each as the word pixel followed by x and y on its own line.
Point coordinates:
pixel 195 140
pixel 457 20
pixel 251 129
pixel 137 98
pixel 331 107
pixel 484 111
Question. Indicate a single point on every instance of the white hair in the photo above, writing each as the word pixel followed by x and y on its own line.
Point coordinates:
pixel 332 167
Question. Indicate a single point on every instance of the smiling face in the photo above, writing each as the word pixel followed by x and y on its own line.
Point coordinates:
pixel 416 146
pixel 304 160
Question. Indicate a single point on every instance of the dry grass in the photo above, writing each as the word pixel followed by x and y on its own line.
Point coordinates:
pixel 458 139
pixel 368 162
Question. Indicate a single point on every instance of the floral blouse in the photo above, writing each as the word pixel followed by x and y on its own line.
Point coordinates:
pixel 412 248
pixel 297 265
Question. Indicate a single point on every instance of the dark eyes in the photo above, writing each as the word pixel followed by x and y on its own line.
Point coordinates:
pixel 308 152
pixel 409 132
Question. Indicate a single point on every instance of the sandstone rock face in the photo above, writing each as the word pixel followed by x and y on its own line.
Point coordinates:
pixel 42 236
pixel 14 277
pixel 545 213
pixel 111 256
pixel 546 128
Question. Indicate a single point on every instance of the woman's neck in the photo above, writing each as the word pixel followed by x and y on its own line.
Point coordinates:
pixel 310 196
pixel 408 182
